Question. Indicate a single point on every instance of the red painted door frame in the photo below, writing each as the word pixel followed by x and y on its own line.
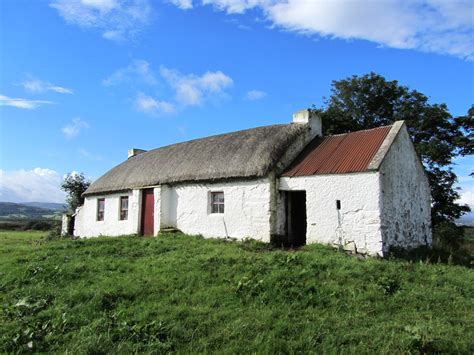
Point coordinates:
pixel 148 212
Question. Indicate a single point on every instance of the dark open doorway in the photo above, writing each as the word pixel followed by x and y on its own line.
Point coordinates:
pixel 296 218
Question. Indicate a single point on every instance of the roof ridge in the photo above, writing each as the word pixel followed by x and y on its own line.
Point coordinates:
pixel 216 136
pixel 360 130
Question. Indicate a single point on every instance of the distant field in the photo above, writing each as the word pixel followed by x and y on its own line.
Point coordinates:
pixel 29 211
pixel 177 293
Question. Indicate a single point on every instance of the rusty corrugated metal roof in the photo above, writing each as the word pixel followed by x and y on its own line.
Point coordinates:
pixel 343 153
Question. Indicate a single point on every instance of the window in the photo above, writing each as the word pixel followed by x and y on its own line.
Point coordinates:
pixel 217 202
pixel 100 209
pixel 338 204
pixel 123 208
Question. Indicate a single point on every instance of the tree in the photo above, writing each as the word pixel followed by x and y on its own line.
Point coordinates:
pixel 75 185
pixel 369 101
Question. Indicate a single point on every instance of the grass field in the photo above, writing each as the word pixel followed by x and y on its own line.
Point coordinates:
pixel 178 293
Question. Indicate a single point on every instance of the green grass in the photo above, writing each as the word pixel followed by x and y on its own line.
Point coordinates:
pixel 185 294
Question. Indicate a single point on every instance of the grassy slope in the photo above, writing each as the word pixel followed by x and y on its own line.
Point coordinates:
pixel 186 294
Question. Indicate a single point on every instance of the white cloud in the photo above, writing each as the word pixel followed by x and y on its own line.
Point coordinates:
pixel 183 4
pixel 37 185
pixel 439 26
pixel 253 95
pixel 74 128
pixel 101 5
pixel 467 195
pixel 192 90
pixel 22 103
pixel 118 20
pixel 149 105
pixel 186 89
pixel 38 86
pixel 139 69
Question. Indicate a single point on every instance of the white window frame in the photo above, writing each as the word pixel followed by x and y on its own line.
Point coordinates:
pixel 120 207
pixel 98 210
pixel 220 205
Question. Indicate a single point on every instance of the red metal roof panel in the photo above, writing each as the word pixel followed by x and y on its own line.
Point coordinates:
pixel 339 154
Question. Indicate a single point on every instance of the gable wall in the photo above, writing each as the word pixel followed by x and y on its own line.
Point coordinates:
pixel 357 224
pixel 247 209
pixel 405 196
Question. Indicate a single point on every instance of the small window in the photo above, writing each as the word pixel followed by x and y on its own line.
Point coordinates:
pixel 338 204
pixel 123 208
pixel 217 202
pixel 100 209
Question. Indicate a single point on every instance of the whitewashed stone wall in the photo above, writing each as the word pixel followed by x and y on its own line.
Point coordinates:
pixel 87 225
pixel 356 225
pixel 247 209
pixel 405 196
pixel 157 209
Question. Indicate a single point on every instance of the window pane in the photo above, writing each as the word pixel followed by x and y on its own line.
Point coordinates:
pixel 124 203
pixel 100 209
pixel 217 202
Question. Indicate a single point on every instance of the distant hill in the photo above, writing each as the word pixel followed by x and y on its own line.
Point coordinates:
pixel 466 220
pixel 10 210
pixel 47 205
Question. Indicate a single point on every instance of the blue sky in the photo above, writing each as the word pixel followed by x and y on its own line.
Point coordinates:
pixel 84 80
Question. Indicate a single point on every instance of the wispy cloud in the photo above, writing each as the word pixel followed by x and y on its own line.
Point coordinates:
pixel 149 105
pixel 117 20
pixel 39 185
pixel 183 90
pixel 193 90
pixel 183 4
pixel 39 86
pixel 74 128
pixel 22 103
pixel 254 95
pixel 88 155
pixel 439 26
pixel 138 70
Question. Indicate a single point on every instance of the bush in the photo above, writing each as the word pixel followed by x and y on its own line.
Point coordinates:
pixel 448 236
pixel 54 232
pixel 39 225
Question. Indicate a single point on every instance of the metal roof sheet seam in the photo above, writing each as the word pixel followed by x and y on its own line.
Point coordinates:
pixel 339 154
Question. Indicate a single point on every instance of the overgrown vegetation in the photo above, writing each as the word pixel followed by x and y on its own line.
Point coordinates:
pixel 28 225
pixel 74 184
pixel 177 293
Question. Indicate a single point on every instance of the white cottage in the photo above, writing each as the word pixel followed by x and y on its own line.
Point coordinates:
pixel 365 191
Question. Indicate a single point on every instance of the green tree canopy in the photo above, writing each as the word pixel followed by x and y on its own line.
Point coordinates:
pixel 369 101
pixel 74 185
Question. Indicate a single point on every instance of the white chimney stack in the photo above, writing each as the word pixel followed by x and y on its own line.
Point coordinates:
pixel 134 151
pixel 310 118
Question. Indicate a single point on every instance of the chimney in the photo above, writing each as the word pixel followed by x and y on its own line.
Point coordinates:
pixel 310 118
pixel 134 151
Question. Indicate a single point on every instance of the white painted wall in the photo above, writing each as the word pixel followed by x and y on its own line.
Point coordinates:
pixel 86 224
pixel 157 209
pixel 405 196
pixel 247 209
pixel 359 215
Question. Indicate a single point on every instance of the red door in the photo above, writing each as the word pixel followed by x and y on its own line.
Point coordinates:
pixel 148 212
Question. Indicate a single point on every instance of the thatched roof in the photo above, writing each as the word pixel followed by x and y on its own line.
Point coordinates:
pixel 250 153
